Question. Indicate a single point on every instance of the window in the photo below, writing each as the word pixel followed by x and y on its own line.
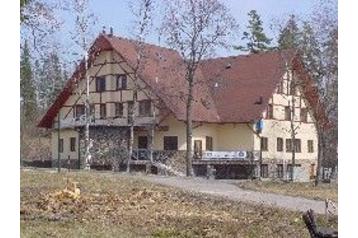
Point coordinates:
pixel 298 145
pixel 279 144
pixel 269 112
pixel 79 111
pixel 100 84
pixel 310 146
pixel 209 143
pixel 142 142
pixel 118 109
pixel 288 87
pixel 264 143
pixel 280 171
pixel 130 111
pixel 121 81
pixel 288 145
pixel 60 145
pixel 73 144
pixel 170 143
pixel 287 113
pixel 303 115
pixel 92 110
pixel 264 171
pixel 292 89
pixel 198 148
pixel 102 110
pixel 280 88
pixel 144 108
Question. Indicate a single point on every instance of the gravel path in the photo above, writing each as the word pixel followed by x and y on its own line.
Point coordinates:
pixel 232 192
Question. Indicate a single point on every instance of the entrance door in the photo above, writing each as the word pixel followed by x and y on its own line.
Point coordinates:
pixel 198 148
pixel 142 142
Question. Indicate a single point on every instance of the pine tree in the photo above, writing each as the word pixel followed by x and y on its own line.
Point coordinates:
pixel 27 88
pixel 311 52
pixel 290 35
pixel 50 79
pixel 256 39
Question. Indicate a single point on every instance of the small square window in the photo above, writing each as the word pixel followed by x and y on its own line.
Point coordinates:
pixel 269 111
pixel 118 109
pixel 60 145
pixel 102 111
pixel 287 113
pixel 264 144
pixel 144 108
pixel 279 144
pixel 288 145
pixel 170 143
pixel 78 111
pixel 73 144
pixel 121 81
pixel 100 84
pixel 310 146
pixel 303 115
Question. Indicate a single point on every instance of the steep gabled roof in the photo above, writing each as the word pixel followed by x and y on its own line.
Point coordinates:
pixel 228 91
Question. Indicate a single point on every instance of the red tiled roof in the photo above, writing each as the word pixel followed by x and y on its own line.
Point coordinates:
pixel 228 90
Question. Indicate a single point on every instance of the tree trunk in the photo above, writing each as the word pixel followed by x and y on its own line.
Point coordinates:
pixel 131 128
pixel 189 128
pixel 320 157
pixel 130 146
pixel 293 140
pixel 87 112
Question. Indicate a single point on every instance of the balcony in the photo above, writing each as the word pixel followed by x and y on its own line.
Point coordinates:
pixel 118 121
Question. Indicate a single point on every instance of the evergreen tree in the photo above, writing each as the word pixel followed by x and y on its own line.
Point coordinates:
pixel 51 80
pixel 256 39
pixel 290 35
pixel 27 88
pixel 311 51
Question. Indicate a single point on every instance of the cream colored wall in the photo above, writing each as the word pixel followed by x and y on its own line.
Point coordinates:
pixel 235 137
pixel 109 71
pixel 225 137
pixel 279 127
pixel 65 135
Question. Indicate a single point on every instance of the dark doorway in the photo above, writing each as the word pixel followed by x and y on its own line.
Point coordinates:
pixel 142 142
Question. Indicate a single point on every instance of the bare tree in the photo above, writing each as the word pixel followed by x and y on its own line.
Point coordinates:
pixel 142 12
pixel 195 28
pixel 84 21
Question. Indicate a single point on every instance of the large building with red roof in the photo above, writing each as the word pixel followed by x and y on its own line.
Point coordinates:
pixel 243 109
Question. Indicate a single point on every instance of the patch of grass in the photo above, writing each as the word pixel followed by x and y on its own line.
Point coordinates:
pixel 307 190
pixel 117 205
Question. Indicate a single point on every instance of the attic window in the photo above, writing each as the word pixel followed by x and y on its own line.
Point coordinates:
pixel 228 66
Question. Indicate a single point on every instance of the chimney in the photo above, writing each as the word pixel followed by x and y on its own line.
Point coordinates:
pixel 103 30
pixel 110 32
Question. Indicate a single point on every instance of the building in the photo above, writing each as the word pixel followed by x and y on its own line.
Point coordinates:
pixel 233 99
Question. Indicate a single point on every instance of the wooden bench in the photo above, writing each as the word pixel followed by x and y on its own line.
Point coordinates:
pixel 317 232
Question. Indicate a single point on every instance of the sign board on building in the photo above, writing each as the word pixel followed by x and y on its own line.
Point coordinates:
pixel 240 154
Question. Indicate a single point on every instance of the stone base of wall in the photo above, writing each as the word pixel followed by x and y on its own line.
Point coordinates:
pixel 109 147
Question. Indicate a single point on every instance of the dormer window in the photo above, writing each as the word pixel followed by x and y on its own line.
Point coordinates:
pixel 121 82
pixel 100 84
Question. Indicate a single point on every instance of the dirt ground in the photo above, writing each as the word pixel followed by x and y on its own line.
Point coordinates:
pixel 307 190
pixel 117 205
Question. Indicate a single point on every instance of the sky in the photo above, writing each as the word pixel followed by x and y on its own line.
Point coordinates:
pixel 116 14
